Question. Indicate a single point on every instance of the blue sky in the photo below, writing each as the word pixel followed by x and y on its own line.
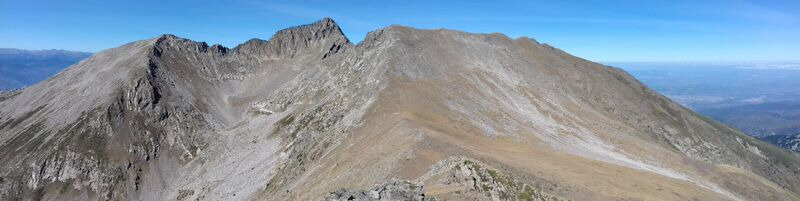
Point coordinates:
pixel 624 30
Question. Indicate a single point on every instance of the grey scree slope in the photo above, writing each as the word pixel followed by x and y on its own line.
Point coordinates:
pixel 405 114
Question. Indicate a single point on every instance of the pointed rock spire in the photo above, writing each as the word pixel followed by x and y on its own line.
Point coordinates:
pixel 287 42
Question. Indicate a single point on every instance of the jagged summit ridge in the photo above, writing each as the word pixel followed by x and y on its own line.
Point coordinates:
pixel 292 41
pixel 323 28
pixel 199 46
pixel 284 43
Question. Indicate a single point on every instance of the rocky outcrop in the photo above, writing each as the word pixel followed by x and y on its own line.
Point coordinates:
pixel 466 178
pixel 492 183
pixel 8 94
pixel 394 190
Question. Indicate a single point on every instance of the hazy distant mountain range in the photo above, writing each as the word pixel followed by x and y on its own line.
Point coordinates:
pixel 761 99
pixel 20 68
pixel 791 142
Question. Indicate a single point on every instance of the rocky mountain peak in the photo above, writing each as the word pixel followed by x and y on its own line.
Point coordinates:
pixel 169 41
pixel 288 42
pixel 318 30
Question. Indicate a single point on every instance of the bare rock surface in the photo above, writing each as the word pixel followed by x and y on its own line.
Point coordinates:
pixel 307 113
pixel 394 190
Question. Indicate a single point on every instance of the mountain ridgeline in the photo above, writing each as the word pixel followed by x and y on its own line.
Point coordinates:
pixel 405 114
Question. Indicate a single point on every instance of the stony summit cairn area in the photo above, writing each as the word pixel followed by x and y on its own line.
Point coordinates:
pixel 406 114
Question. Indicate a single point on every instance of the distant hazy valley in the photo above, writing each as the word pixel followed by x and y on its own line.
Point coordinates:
pixel 761 99
pixel 20 68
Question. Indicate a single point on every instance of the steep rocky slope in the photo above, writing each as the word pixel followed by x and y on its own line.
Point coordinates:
pixel 307 113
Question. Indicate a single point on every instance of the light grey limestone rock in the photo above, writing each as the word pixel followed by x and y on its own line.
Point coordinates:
pixel 391 191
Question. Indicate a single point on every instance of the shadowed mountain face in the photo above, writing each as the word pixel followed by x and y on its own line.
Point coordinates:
pixel 20 68
pixel 405 114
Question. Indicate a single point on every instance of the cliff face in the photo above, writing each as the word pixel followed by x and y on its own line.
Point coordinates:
pixel 306 113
